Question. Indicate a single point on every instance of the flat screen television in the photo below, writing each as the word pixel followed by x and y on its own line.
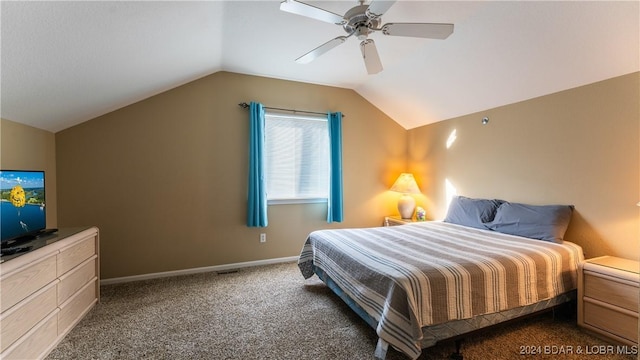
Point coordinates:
pixel 23 212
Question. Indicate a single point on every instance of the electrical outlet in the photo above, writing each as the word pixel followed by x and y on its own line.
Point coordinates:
pixel 263 237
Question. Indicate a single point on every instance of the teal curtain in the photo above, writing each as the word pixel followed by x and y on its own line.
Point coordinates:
pixel 257 194
pixel 335 208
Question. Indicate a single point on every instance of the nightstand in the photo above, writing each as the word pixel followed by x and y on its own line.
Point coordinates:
pixel 608 291
pixel 397 220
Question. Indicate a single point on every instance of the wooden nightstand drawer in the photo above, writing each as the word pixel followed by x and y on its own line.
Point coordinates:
pixel 610 320
pixel 611 291
pixel 608 289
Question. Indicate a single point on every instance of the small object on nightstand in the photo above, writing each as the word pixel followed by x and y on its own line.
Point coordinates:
pixel 397 220
pixel 421 214
pixel 608 292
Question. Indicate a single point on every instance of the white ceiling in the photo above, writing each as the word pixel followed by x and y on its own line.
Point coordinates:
pixel 63 63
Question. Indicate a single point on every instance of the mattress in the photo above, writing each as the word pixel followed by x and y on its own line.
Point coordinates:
pixel 410 278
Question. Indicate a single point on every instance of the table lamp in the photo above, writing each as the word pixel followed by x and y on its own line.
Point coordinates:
pixel 406 185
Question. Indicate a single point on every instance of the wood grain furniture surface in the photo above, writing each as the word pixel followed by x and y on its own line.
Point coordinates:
pixel 397 220
pixel 608 292
pixel 44 293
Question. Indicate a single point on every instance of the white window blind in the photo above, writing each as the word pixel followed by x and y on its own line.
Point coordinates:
pixel 297 157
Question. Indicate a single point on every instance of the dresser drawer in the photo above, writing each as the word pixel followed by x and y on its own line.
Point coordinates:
pixel 611 321
pixel 25 282
pixel 37 342
pixel 75 255
pixel 21 318
pixel 75 279
pixel 611 291
pixel 79 303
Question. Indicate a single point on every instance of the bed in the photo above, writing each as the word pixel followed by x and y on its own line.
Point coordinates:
pixel 421 283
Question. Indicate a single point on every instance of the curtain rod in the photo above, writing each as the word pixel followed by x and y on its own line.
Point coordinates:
pixel 244 105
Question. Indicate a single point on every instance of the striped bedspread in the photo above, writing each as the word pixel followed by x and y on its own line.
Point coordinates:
pixel 411 276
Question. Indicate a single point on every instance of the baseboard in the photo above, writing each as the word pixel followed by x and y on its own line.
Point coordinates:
pixel 213 268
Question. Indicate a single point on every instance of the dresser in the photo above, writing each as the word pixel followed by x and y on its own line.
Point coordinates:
pixel 45 292
pixel 608 292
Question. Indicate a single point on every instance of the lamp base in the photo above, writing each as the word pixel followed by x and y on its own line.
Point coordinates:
pixel 406 206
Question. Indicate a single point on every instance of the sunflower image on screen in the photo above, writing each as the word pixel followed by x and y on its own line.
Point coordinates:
pixel 17 196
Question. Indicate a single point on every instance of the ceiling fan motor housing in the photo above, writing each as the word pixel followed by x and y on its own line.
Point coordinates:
pixel 359 23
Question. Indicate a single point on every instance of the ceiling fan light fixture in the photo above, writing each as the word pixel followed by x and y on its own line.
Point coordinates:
pixel 356 18
pixel 362 32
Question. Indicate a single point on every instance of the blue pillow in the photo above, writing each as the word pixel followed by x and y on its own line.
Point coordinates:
pixel 471 212
pixel 543 222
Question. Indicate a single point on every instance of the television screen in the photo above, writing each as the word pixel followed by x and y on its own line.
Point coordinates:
pixel 23 209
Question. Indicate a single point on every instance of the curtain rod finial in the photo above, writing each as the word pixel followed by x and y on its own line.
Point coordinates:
pixel 243 105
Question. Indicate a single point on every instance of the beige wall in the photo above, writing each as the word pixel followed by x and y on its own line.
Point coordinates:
pixel 579 146
pixel 24 147
pixel 165 179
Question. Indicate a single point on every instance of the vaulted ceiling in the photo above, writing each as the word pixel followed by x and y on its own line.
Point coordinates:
pixel 63 63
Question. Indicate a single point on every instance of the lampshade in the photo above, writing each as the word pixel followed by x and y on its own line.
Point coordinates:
pixel 406 184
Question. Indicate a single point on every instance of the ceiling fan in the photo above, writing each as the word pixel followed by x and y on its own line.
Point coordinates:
pixel 362 20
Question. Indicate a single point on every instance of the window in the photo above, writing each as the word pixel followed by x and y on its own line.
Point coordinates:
pixel 296 158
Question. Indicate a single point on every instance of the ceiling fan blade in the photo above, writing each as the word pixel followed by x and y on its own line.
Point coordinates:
pixel 377 8
pixel 300 8
pixel 421 30
pixel 311 55
pixel 370 56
